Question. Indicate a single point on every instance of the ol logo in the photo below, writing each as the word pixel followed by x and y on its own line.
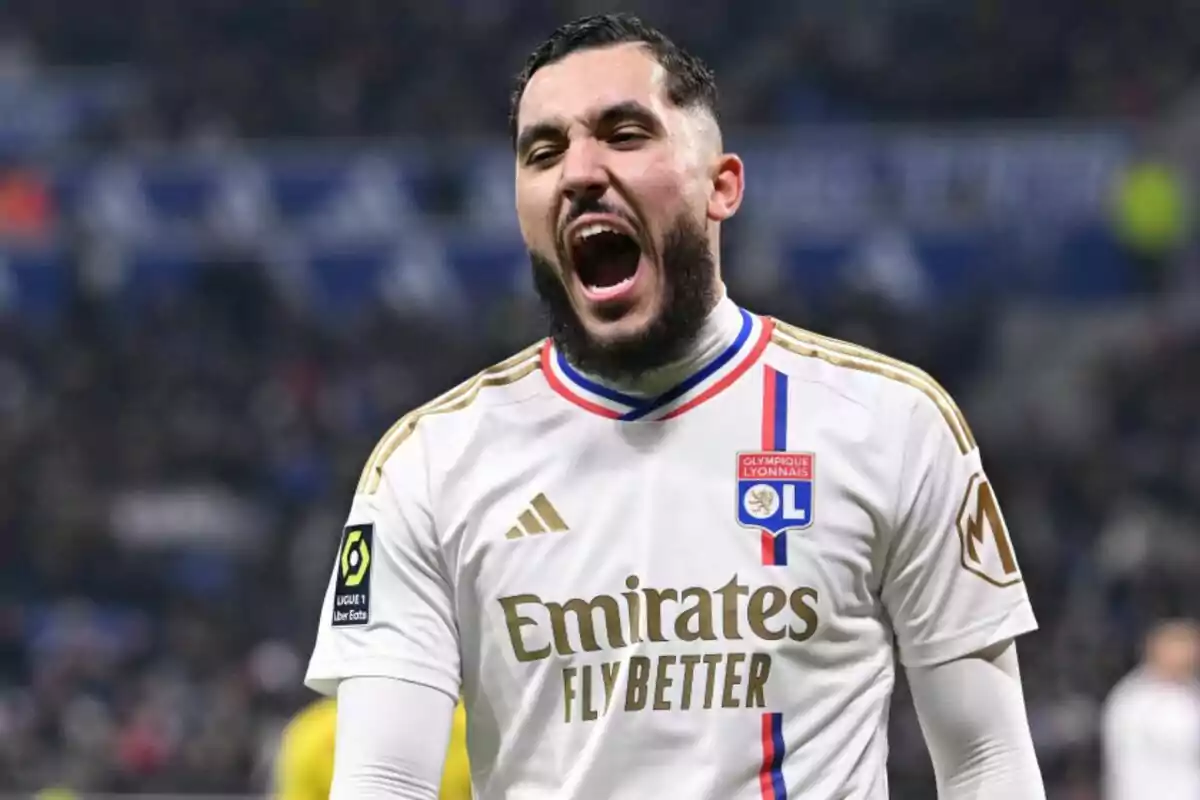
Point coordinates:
pixel 352 582
pixel 775 491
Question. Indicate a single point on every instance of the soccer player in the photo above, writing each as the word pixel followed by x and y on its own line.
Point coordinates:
pixel 1151 720
pixel 668 552
pixel 304 764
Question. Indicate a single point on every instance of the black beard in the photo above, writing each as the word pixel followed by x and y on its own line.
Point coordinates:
pixel 690 293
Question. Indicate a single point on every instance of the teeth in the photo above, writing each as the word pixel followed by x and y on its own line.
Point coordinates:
pixel 610 290
pixel 587 231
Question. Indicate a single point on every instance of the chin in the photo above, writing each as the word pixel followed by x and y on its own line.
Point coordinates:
pixel 610 325
pixel 617 319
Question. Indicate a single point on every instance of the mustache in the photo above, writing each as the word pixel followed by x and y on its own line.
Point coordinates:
pixel 688 269
pixel 588 204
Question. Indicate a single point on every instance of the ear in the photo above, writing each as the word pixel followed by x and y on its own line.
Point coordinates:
pixel 728 185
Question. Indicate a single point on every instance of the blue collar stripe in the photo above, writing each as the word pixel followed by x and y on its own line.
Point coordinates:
pixel 596 388
pixel 698 377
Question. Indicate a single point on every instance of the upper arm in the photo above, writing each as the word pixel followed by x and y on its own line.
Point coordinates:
pixel 389 607
pixel 972 713
pixel 392 737
pixel 951 582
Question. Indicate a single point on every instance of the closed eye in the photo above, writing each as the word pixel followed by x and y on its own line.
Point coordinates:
pixel 541 156
pixel 627 136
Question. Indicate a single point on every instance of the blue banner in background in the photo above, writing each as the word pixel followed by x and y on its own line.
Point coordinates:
pixel 924 213
pixel 839 182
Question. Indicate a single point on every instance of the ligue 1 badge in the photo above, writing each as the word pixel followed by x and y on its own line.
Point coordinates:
pixel 775 491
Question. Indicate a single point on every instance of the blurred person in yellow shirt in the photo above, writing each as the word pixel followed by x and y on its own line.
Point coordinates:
pixel 304 766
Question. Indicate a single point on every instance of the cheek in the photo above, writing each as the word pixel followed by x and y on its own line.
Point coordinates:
pixel 532 218
pixel 698 188
pixel 660 194
pixel 668 186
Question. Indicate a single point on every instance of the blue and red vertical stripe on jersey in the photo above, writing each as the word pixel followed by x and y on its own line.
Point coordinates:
pixel 770 777
pixel 774 438
pixel 774 553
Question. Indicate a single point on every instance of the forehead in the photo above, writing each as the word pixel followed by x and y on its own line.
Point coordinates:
pixel 592 79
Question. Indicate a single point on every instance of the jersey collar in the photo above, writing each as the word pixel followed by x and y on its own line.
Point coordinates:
pixel 739 338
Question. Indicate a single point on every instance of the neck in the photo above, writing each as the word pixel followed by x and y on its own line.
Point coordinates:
pixel 1166 675
pixel 719 330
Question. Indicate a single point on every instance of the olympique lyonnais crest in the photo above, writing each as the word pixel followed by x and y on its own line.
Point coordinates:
pixel 775 491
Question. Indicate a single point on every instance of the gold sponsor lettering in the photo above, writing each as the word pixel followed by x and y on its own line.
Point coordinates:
pixel 695 623
pixel 654 612
pixel 662 682
pixel 633 601
pixel 691 615
pixel 712 661
pixel 589 708
pixel 609 672
pixel 756 686
pixel 638 683
pixel 730 593
pixel 568 675
pixel 583 611
pixel 689 667
pixel 539 629
pixel 733 680
pixel 514 621
pixel 807 613
pixel 766 602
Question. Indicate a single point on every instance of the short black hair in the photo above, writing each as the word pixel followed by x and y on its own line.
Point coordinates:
pixel 690 83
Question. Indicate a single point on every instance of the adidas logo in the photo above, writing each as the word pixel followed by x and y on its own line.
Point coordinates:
pixel 540 517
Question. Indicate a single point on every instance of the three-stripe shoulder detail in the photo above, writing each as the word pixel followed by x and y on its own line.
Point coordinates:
pixel 505 373
pixel 852 356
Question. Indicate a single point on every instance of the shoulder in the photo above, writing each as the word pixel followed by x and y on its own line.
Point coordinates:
pixel 498 384
pixel 1128 692
pixel 887 386
pixel 1130 702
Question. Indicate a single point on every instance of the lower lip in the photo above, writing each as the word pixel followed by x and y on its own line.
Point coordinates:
pixel 615 293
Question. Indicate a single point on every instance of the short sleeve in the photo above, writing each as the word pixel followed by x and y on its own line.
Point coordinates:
pixel 951 582
pixel 389 607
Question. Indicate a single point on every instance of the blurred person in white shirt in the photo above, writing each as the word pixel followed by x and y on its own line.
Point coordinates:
pixel 1151 727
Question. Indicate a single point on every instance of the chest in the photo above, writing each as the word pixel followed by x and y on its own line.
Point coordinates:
pixel 1175 733
pixel 764 502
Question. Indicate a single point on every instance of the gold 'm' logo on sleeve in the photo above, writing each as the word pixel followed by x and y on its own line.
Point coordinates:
pixel 987 550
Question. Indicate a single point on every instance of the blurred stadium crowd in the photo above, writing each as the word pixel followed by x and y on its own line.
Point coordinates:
pixel 240 239
pixel 366 67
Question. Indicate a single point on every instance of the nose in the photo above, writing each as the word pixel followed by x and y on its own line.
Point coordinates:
pixel 583 173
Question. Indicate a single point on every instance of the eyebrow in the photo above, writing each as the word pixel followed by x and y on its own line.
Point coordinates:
pixel 537 133
pixel 628 110
pixel 608 116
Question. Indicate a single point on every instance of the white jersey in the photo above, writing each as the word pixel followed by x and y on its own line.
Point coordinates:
pixel 693 596
pixel 1151 739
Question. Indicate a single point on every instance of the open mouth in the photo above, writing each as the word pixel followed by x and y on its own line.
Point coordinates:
pixel 605 259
